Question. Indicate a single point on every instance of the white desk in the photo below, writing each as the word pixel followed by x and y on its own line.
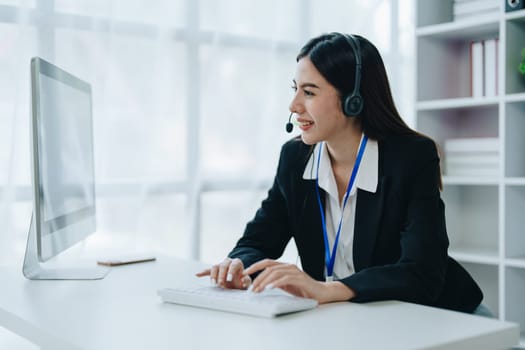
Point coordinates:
pixel 123 311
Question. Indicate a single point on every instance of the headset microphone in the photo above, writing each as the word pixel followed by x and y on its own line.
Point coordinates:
pixel 289 125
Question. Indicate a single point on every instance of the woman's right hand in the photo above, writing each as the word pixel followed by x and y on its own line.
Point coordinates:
pixel 227 274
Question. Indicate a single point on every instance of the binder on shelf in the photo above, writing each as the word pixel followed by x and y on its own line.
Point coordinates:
pixel 490 64
pixel 476 68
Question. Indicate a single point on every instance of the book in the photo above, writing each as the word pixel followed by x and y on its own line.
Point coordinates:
pixel 475 6
pixel 477 15
pixel 472 144
pixel 472 171
pixel 464 1
pixel 490 67
pixel 475 156
pixel 476 68
pixel 473 159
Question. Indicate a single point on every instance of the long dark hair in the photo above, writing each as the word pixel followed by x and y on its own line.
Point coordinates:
pixel 334 58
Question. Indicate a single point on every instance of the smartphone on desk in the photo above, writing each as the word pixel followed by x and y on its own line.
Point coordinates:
pixel 126 260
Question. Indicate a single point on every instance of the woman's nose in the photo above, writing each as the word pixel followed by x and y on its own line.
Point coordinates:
pixel 295 105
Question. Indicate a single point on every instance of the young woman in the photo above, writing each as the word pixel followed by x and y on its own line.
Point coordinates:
pixel 359 192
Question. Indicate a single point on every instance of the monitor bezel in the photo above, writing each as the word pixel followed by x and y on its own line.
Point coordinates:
pixel 58 234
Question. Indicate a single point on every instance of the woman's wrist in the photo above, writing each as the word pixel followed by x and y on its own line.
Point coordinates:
pixel 335 291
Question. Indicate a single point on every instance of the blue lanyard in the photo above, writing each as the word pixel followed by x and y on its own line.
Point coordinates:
pixel 330 258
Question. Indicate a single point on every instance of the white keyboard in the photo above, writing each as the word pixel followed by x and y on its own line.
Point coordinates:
pixel 269 303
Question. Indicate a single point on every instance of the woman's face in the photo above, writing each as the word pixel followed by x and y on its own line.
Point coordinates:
pixel 317 105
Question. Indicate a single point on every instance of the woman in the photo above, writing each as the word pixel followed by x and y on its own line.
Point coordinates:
pixel 359 192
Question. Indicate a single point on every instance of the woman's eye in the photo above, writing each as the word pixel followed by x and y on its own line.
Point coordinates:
pixel 308 93
pixel 294 88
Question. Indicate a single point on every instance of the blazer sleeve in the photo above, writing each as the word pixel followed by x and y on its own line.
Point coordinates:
pixel 268 233
pixel 418 276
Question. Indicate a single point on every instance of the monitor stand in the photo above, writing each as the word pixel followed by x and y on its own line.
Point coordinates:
pixel 34 270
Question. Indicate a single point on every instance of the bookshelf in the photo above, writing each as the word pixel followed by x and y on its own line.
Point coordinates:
pixel 485 214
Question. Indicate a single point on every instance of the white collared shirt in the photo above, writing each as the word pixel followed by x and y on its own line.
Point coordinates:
pixel 366 179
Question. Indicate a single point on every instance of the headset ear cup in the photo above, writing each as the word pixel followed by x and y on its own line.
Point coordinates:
pixel 353 105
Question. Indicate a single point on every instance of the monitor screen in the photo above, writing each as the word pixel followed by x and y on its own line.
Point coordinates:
pixel 62 152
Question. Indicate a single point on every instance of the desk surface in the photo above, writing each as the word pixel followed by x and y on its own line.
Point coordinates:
pixel 123 311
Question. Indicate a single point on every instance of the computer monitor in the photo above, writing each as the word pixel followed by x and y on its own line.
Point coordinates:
pixel 63 175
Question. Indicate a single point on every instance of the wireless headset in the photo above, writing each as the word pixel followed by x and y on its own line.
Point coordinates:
pixel 353 103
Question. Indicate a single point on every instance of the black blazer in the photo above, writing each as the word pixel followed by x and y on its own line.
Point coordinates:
pixel 400 239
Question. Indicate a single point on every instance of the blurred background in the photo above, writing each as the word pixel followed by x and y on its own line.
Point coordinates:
pixel 190 103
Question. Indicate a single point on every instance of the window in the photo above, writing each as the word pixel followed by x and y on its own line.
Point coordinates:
pixel 190 102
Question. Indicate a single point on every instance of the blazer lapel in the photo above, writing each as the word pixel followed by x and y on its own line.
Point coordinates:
pixel 369 209
pixel 310 236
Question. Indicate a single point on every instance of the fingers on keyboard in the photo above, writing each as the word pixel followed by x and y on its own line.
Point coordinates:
pixel 227 274
pixel 234 274
pixel 223 271
pixel 203 273
pixel 246 281
pixel 214 274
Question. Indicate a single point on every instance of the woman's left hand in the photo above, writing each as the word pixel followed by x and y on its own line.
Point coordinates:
pixel 291 279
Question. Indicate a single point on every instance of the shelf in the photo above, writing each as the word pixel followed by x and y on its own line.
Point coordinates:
pixel 444 124
pixel 515 262
pixel 467 29
pixel 515 15
pixel 515 97
pixel 475 255
pixel 484 214
pixel 453 81
pixel 456 103
pixel 515 181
